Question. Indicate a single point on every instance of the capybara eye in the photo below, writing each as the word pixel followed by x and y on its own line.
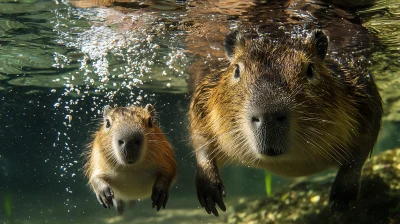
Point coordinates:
pixel 310 72
pixel 237 72
pixel 108 123
pixel 150 122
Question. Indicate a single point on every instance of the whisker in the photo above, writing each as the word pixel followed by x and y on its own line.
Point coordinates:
pixel 154 133
pixel 316 120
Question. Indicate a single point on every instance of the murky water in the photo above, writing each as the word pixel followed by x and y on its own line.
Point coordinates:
pixel 61 62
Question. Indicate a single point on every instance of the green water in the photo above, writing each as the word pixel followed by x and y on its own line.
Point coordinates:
pixel 60 64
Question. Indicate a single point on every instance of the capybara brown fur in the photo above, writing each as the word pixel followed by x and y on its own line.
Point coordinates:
pixel 287 107
pixel 130 158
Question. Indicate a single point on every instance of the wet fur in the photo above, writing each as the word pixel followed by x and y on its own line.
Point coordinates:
pixel 335 117
pixel 156 167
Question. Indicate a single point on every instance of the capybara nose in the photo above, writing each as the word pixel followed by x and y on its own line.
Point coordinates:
pixel 272 121
pixel 131 143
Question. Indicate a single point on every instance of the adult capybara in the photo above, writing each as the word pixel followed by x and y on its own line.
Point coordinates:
pixel 285 106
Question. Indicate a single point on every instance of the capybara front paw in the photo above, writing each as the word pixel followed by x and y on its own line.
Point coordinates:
pixel 159 197
pixel 105 197
pixel 339 206
pixel 210 193
pixel 339 200
pixel 345 189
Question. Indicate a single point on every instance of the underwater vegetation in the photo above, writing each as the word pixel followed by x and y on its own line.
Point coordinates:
pixel 268 183
pixel 8 206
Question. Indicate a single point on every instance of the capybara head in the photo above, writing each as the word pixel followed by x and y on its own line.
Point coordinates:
pixel 124 132
pixel 276 98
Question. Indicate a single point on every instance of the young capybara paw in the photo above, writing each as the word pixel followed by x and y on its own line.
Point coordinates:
pixel 105 196
pixel 159 197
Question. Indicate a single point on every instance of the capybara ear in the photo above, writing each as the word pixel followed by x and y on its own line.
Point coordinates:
pixel 107 109
pixel 320 43
pixel 232 41
pixel 151 110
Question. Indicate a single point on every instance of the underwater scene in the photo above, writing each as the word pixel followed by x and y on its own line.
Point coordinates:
pixel 185 111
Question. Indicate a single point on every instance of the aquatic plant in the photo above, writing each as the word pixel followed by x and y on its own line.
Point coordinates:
pixel 268 185
pixel 8 206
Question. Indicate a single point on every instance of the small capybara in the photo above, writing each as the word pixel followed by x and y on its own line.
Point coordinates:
pixel 130 158
pixel 287 107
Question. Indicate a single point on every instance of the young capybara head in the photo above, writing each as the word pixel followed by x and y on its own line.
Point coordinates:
pixel 276 101
pixel 124 132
